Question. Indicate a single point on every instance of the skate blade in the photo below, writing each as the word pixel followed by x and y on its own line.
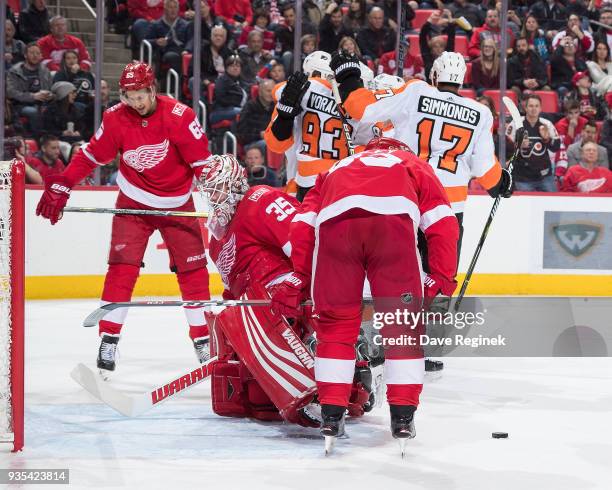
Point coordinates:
pixel 330 442
pixel 402 444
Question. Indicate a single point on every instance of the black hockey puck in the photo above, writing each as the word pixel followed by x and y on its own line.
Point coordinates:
pixel 499 435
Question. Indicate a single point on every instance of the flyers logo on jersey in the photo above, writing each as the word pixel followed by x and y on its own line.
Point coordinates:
pixel 146 156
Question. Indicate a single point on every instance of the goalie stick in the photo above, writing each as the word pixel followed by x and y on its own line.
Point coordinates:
pixel 133 406
pixel 149 212
pixel 520 132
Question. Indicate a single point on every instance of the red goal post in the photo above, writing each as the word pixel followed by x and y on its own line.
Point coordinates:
pixel 12 264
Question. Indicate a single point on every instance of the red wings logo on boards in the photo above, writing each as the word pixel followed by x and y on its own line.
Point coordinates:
pixel 146 156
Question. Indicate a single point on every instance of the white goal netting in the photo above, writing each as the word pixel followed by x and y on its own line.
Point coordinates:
pixel 6 426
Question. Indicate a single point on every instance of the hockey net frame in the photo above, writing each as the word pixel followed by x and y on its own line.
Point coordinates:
pixel 12 264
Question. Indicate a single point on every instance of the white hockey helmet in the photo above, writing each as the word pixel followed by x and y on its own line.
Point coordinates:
pixel 318 61
pixel 386 81
pixel 367 76
pixel 223 183
pixel 449 67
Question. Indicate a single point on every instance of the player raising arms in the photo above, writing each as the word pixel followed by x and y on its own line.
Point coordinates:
pixel 306 120
pixel 359 220
pixel 261 357
pixel 162 148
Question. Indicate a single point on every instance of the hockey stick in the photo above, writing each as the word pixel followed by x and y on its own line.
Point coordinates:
pixel 149 212
pixel 133 406
pixel 518 124
pixel 401 45
pixel 95 316
pixel 345 125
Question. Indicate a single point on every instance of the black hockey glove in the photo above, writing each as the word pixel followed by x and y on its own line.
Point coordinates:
pixel 505 186
pixel 289 104
pixel 345 66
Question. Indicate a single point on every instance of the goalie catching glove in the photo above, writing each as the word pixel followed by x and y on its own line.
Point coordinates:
pixel 289 104
pixel 55 198
pixel 287 295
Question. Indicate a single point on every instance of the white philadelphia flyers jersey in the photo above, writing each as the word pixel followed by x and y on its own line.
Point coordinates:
pixel 452 133
pixel 318 139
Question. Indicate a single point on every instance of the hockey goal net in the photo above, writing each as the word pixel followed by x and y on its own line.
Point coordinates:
pixel 12 197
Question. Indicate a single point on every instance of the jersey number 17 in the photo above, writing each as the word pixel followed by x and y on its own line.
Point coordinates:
pixel 451 133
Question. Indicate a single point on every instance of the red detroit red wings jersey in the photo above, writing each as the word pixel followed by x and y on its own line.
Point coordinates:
pixel 160 154
pixel 257 239
pixel 381 182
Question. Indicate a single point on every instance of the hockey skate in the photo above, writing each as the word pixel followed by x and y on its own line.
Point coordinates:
pixel 433 366
pixel 332 426
pixel 107 355
pixel 402 424
pixel 202 348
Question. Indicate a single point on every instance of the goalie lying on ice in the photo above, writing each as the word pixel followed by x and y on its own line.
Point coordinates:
pixel 265 369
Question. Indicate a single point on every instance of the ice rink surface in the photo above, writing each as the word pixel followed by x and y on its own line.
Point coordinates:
pixel 558 413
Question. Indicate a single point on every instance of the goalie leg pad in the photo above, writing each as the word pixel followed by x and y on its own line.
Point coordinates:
pixel 272 352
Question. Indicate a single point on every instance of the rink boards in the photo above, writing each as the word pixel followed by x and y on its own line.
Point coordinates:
pixel 554 244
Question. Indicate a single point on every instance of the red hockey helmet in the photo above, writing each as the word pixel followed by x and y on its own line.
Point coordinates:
pixel 136 76
pixel 384 143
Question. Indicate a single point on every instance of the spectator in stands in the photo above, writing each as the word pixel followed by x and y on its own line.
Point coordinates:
pixel 587 135
pixel 273 70
pixel 526 70
pixel 261 21
pixel 258 173
pixel 583 40
pixel 375 38
pixel 349 44
pixel 588 176
pixel 231 93
pixel 490 29
pixel 168 35
pixel 17 148
pixel 592 106
pixel 564 65
pixel 533 168
pixel 601 57
pixel 209 21
pixel 331 28
pixel 605 138
pixel 285 34
pixel 605 34
pixel 308 45
pixel 253 57
pixel 413 65
pixel 431 42
pixel 463 8
pixel 255 116
pixel 570 126
pixel 214 54
pixel 356 18
pixel 143 12
pixel 71 71
pixel 34 22
pixel 551 15
pixel 28 85
pixel 536 37
pixel 237 13
pixel 53 45
pixel 47 160
pixel 485 69
pixel 62 117
pixel 311 12
pixel 488 101
pixel 14 49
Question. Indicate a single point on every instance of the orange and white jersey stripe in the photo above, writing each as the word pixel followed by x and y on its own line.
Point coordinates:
pixel 318 139
pixel 452 133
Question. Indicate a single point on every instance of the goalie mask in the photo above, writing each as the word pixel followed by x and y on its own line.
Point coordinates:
pixel 449 67
pixel 224 183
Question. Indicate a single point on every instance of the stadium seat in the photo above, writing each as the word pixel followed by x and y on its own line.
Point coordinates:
pixel 414 48
pixel 468 74
pixel 254 91
pixel 461 45
pixel 496 96
pixel 225 123
pixel 599 125
pixel 470 93
pixel 420 17
pixel 211 93
pixel 274 160
pixel 550 100
pixel 32 145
